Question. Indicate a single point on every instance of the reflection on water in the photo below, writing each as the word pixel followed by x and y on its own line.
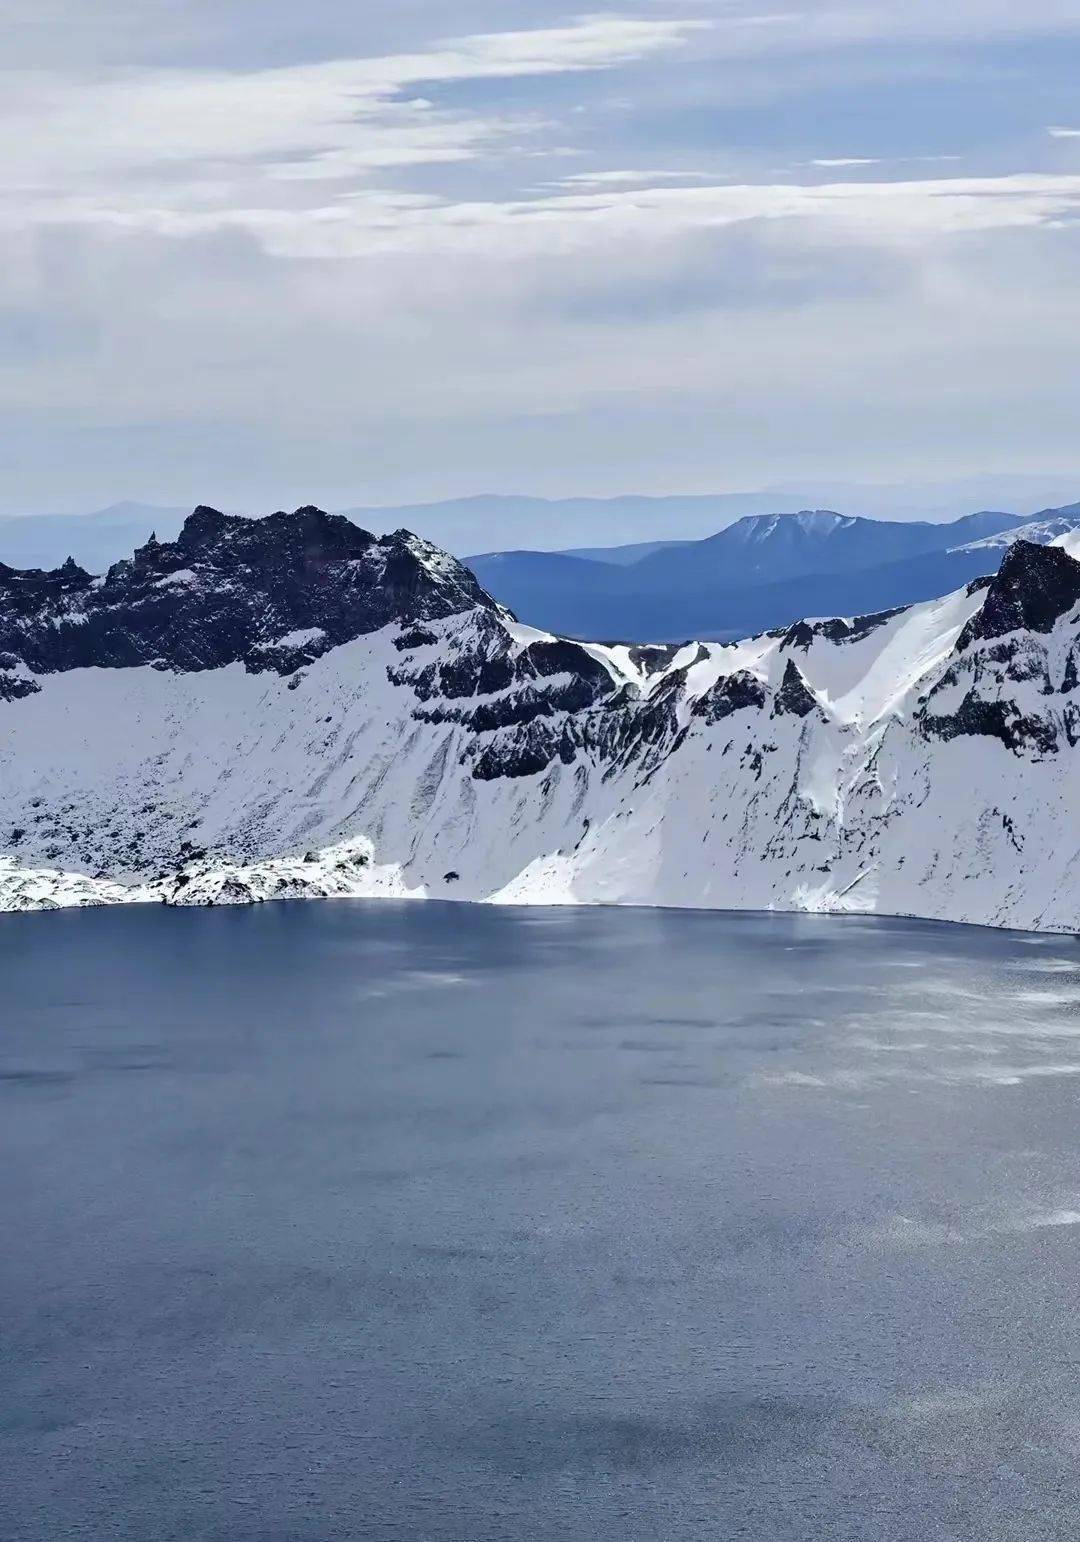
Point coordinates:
pixel 453 1223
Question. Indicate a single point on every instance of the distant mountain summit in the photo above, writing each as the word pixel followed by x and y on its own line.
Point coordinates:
pixel 761 571
pixel 294 707
pixel 772 547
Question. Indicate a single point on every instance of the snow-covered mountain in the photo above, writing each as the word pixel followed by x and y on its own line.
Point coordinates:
pixel 292 707
pixel 1044 529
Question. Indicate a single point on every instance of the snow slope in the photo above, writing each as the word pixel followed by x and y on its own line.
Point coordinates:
pixel 346 740
pixel 1050 529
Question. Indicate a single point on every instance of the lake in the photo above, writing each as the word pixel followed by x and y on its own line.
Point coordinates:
pixel 455 1223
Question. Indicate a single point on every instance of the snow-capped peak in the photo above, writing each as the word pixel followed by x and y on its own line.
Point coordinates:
pixel 756 528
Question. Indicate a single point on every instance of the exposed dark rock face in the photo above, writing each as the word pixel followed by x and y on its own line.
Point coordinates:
pixel 491 667
pixel 418 637
pixel 733 693
pixel 996 719
pixel 491 689
pixel 14 687
pixel 801 634
pixel 1034 587
pixel 794 698
pixel 651 657
pixel 862 626
pixel 572 695
pixel 1001 659
pixel 274 593
pixel 645 731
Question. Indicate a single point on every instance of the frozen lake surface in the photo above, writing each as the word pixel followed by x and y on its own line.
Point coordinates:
pixel 451 1223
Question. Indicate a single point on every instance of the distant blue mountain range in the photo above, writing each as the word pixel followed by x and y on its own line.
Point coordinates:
pixel 763 571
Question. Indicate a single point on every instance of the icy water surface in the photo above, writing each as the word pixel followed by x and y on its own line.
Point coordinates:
pixel 457 1223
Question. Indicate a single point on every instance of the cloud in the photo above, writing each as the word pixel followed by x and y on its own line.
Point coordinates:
pixel 279 253
pixel 842 161
pixel 897 213
pixel 629 178
pixel 111 28
pixel 591 42
pixel 1064 133
pixel 137 130
pixel 815 24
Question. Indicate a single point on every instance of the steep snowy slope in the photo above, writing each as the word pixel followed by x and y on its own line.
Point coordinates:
pixel 293 707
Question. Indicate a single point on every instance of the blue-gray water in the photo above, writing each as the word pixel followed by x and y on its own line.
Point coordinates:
pixel 455 1223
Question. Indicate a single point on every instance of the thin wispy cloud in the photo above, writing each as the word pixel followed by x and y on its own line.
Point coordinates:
pixel 890 213
pixel 653 177
pixel 314 120
pixel 844 162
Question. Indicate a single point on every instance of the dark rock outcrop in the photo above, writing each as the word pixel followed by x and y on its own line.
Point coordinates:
pixel 732 693
pixel 1033 588
pixel 997 719
pixel 14 687
pixel 838 629
pixel 794 698
pixel 273 593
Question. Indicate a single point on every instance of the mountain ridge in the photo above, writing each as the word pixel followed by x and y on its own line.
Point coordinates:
pixel 229 589
pixel 916 761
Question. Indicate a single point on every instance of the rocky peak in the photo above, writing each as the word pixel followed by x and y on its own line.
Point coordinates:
pixel 272 593
pixel 282 539
pixel 731 693
pixel 794 698
pixel 1033 588
pixel 800 634
pixel 204 525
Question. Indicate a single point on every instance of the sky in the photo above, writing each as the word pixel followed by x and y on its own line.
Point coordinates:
pixel 260 254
